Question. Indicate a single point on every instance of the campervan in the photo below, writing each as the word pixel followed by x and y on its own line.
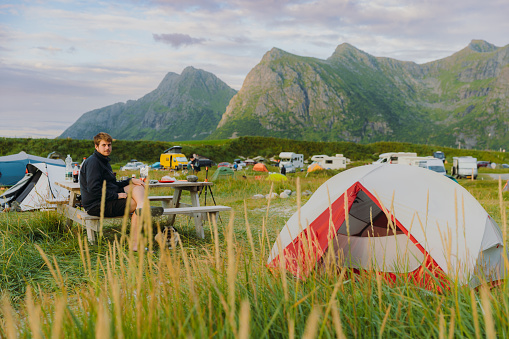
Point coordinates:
pixel 433 164
pixel 291 159
pixel 464 167
pixel 331 162
pixel 173 158
pixel 393 157
pixel 412 161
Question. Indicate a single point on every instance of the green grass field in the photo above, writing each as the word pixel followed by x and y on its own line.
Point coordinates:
pixel 54 284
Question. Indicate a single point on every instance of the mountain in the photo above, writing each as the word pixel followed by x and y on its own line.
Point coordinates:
pixel 353 96
pixel 183 107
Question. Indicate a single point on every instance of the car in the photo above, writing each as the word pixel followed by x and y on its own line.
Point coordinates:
pixel 204 162
pixel 439 155
pixel 132 166
pixel 224 164
pixel 483 164
pixel 289 169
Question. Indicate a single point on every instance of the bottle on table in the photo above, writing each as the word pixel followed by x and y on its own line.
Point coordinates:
pixel 68 168
pixel 75 173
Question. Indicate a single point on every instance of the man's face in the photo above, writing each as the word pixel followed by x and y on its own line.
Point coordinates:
pixel 104 148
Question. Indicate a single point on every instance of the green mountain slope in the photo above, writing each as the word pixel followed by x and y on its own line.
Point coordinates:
pixel 183 107
pixel 353 96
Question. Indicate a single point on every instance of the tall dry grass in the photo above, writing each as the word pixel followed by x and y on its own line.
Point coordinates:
pixel 221 287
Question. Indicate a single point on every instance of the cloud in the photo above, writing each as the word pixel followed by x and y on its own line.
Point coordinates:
pixel 241 40
pixel 50 49
pixel 177 39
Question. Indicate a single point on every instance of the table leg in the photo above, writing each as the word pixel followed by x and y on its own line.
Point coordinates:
pixel 198 217
pixel 198 225
pixel 72 201
pixel 175 202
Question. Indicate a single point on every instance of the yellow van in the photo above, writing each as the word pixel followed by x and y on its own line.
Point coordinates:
pixel 173 158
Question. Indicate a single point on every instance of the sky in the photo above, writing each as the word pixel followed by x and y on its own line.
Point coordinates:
pixel 60 59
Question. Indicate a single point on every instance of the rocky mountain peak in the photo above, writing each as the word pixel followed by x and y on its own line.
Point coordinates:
pixel 186 106
pixel 346 50
pixel 354 96
pixel 482 46
pixel 274 54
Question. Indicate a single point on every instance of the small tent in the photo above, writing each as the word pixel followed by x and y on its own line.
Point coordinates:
pixel 277 177
pixel 223 173
pixel 314 167
pixel 13 167
pixel 404 221
pixel 156 165
pixel 259 167
pixel 38 185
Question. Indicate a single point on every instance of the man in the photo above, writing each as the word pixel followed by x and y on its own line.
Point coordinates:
pixel 195 163
pixel 283 170
pixel 94 172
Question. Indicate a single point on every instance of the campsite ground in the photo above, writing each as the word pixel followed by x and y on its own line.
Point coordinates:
pixel 219 286
pixel 503 176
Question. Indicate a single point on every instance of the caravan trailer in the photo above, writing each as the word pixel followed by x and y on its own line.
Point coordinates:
pixel 464 167
pixel 331 162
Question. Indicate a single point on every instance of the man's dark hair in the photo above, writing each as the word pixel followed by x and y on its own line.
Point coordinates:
pixel 102 136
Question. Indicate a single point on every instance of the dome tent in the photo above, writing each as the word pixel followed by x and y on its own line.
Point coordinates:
pixel 396 219
pixel 315 167
pixel 259 167
pixel 277 177
pixel 13 167
pixel 222 173
pixel 37 186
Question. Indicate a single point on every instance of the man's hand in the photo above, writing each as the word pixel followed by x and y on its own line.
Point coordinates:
pixel 122 195
pixel 137 182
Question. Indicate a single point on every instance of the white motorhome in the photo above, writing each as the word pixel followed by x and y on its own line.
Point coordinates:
pixel 464 167
pixel 431 163
pixel 428 162
pixel 331 162
pixel 412 161
pixel 393 157
pixel 292 159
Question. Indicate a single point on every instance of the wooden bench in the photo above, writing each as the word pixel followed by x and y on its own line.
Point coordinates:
pixel 199 213
pixel 90 222
pixel 57 201
pixel 165 199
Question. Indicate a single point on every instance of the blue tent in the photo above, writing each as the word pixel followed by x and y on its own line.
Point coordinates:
pixel 13 167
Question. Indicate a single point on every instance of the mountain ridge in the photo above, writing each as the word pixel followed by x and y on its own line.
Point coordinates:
pixel 458 100
pixel 182 107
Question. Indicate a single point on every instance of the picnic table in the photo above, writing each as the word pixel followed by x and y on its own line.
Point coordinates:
pixel 172 205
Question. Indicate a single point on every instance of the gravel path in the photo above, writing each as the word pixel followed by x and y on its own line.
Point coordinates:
pixel 504 176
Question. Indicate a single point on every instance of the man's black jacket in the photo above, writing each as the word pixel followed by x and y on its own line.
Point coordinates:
pixel 93 172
